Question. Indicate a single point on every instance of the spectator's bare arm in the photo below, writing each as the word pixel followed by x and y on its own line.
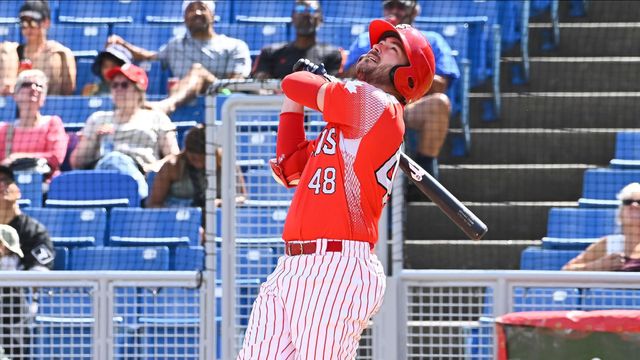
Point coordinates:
pixel 590 259
pixel 162 184
pixel 68 72
pixel 440 84
pixel 139 54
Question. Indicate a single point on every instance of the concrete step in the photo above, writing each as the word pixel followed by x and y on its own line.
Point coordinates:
pixel 538 146
pixel 465 254
pixel 567 74
pixel 604 11
pixel 558 110
pixel 505 220
pixel 586 39
pixel 527 182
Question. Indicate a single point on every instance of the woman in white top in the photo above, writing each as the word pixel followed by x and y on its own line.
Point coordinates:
pixel 130 139
pixel 612 252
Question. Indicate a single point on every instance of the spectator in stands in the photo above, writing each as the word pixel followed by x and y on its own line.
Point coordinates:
pixel 32 135
pixel 182 180
pixel 130 139
pixel 277 60
pixel 111 57
pixel 24 245
pixel 198 58
pixel 430 115
pixel 616 252
pixel 53 58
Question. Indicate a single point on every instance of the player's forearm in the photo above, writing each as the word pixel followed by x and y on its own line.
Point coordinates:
pixel 303 87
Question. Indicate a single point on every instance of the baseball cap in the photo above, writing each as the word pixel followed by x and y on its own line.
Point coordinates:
pixel 131 72
pixel 10 239
pixel 5 170
pixel 209 3
pixel 35 9
pixel 116 52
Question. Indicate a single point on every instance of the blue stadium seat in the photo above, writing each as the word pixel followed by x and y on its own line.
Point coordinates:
pixel 581 222
pixel 169 227
pixel 9 11
pixel 83 40
pixel 72 227
pixel 535 258
pixel 260 222
pixel 9 32
pixel 148 36
pixel 357 11
pixel 341 35
pixel 255 262
pixel 605 299
pixel 61 261
pixel 555 243
pixel 261 186
pixel 100 11
pixel 84 75
pixel 545 299
pixel 30 184
pixel 256 36
pixel 74 110
pixel 120 258
pixel 627 155
pixel 7 108
pixel 93 188
pixel 278 11
pixel 601 186
pixel 170 12
pixel 187 258
pixel 256 145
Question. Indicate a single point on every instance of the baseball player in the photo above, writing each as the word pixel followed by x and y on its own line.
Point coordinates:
pixel 323 292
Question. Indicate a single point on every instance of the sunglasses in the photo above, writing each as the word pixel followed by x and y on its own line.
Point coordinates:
pixel 394 5
pixel 29 23
pixel 31 85
pixel 302 9
pixel 629 202
pixel 124 85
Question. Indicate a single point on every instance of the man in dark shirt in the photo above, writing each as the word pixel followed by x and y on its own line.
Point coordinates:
pixel 276 60
pixel 30 249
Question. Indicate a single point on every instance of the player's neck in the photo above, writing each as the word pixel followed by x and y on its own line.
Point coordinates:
pixel 304 41
pixel 9 213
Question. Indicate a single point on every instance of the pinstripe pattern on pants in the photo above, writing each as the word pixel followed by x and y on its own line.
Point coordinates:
pixel 315 306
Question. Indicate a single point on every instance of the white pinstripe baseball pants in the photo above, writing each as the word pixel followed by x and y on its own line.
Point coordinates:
pixel 315 306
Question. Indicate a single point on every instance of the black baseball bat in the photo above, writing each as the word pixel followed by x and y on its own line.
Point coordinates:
pixel 452 207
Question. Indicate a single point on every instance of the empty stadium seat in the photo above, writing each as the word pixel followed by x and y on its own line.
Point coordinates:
pixel 120 258
pixel 361 11
pixel 555 243
pixel 256 36
pixel 545 299
pixel 93 188
pixel 72 227
pixel 9 32
pixel 84 75
pixel 187 258
pixel 627 155
pixel 601 186
pixel 581 222
pixel 605 299
pixel 30 184
pixel 170 227
pixel 83 40
pixel 100 11
pixel 74 110
pixel 256 145
pixel 9 11
pixel 149 36
pixel 535 258
pixel 7 108
pixel 261 186
pixel 260 222
pixel 278 11
pixel 61 261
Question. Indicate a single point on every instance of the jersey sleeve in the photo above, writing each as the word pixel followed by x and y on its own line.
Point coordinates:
pixel 355 106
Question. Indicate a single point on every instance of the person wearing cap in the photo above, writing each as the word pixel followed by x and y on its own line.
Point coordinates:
pixel 33 135
pixel 131 138
pixel 329 283
pixel 429 116
pixel 111 57
pixel 53 58
pixel 199 57
pixel 276 60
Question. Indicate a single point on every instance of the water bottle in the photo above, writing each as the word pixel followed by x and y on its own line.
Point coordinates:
pixel 106 144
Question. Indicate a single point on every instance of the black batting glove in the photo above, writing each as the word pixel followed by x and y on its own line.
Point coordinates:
pixel 307 65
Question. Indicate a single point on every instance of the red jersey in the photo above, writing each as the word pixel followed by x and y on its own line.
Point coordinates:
pixel 351 166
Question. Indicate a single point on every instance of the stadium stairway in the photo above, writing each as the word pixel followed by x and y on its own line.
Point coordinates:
pixel 550 131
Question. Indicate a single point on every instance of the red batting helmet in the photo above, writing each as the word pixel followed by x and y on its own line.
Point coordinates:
pixel 414 80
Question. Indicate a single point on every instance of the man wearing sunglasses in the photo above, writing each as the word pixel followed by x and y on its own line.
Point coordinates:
pixel 429 116
pixel 276 60
pixel 54 59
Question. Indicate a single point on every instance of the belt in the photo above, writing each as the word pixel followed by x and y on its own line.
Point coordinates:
pixel 310 247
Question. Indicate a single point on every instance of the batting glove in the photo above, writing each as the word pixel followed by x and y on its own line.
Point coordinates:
pixel 307 65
